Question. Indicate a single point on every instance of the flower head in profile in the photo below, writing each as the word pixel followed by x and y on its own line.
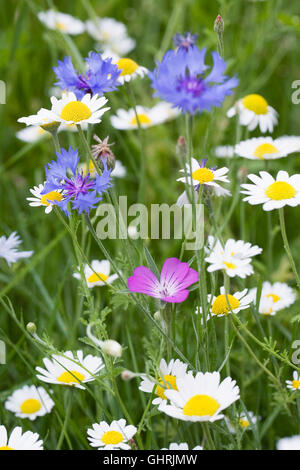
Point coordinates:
pixel 9 248
pixel 98 274
pixel 234 257
pixel 180 79
pixel 145 117
pixel 65 177
pixel 130 70
pixel 167 377
pixel 111 436
pixel 247 420
pixel 289 443
pixel 29 402
pixel 101 76
pixel 172 286
pixel 253 110
pixel 273 297
pixel 71 370
pixel 221 305
pixel 272 193
pixel 32 134
pixel 267 148
pixel 19 440
pixel 62 22
pixel 200 398
pixel 295 383
pixel 182 446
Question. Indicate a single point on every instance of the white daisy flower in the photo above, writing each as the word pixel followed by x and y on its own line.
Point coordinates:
pixel 198 174
pixel 295 383
pixel 168 376
pixel 266 148
pixel 246 421
pixel 224 151
pixel 183 199
pixel 40 199
pixel 273 194
pixel 70 370
pixel 99 275
pixel 112 34
pixel 69 110
pixel 182 446
pixel 148 117
pixel 111 436
pixel 289 443
pixel 29 402
pixel 274 297
pixel 44 118
pixel 8 248
pixel 61 22
pixel 219 305
pixel 292 139
pixel 253 110
pixel 234 258
pixel 32 134
pixel 200 398
pixel 130 69
pixel 18 441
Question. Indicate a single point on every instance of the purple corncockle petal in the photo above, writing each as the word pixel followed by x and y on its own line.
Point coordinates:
pixel 179 297
pixel 144 281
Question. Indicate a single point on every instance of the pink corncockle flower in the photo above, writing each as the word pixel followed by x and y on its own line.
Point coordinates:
pixel 171 287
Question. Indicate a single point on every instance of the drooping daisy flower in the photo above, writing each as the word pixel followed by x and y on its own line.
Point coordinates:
pixel 171 287
pixel 32 134
pixel 234 258
pixel 69 369
pixel 295 383
pixel 200 398
pixel 111 34
pixel 129 70
pixel 219 304
pixel 147 117
pixel 29 402
pixel 198 174
pixel 168 375
pixel 246 421
pixel 8 248
pixel 289 443
pixel 69 110
pixel 273 194
pixel 61 21
pixel 44 118
pixel 99 275
pixel 274 297
pixel 182 446
pixel 40 199
pixel 65 177
pixel 253 110
pixel 266 148
pixel 111 436
pixel 179 79
pixel 19 441
pixel 101 76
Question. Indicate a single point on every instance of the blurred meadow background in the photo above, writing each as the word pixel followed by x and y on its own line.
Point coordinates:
pixel 261 46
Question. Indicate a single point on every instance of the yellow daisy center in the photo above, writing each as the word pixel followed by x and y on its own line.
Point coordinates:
pixel 275 297
pixel 128 66
pixel 169 382
pixel 75 111
pixel 220 305
pixel 30 406
pixel 229 265
pixel 112 437
pixel 201 405
pixel 61 26
pixel 143 119
pixel 265 149
pixel 203 175
pixel 244 423
pixel 255 103
pixel 71 377
pixel 280 190
pixel 91 167
pixel 96 277
pixel 52 196
pixel 6 448
pixel 296 383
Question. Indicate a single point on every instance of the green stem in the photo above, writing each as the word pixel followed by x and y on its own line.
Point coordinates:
pixel 287 246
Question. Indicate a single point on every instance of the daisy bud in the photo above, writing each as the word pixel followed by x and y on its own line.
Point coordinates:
pixel 219 25
pixel 181 147
pixel 112 347
pixel 101 151
pixel 31 328
pixel 127 375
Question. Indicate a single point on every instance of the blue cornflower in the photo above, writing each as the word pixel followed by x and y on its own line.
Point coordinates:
pixel 180 79
pixel 185 41
pixel 82 191
pixel 101 76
